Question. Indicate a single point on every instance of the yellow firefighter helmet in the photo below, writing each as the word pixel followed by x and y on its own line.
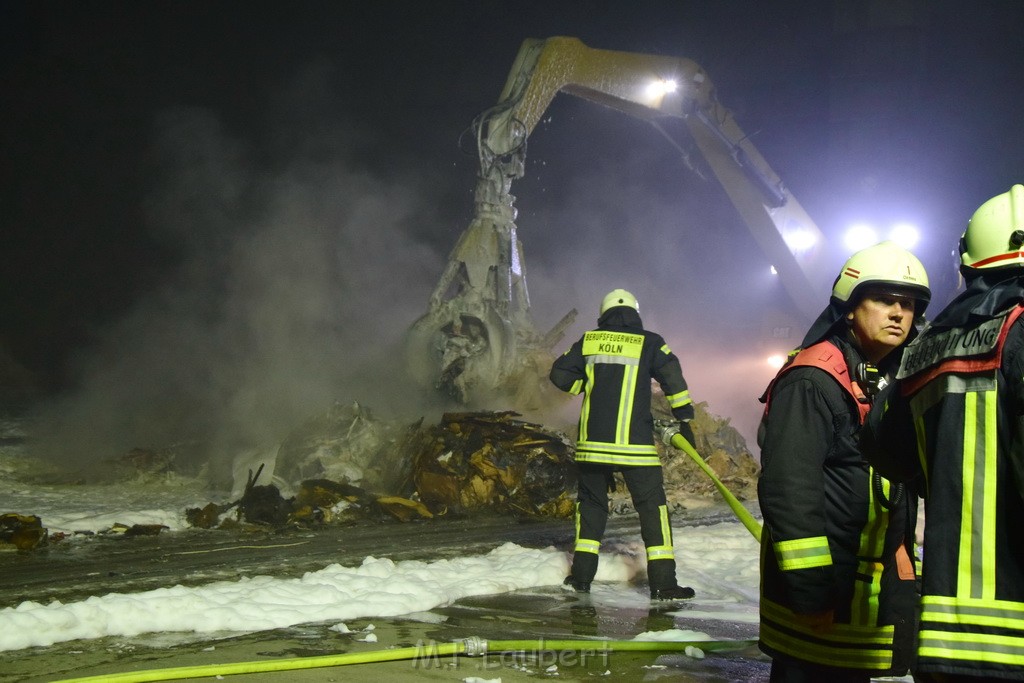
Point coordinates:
pixel 886 266
pixel 619 297
pixel 995 233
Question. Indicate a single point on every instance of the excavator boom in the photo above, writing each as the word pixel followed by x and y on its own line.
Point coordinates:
pixel 477 334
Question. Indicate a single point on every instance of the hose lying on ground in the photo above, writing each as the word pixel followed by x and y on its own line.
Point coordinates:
pixel 471 647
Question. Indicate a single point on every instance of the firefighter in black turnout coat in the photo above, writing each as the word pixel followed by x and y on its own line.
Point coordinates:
pixel 954 421
pixel 612 366
pixel 837 577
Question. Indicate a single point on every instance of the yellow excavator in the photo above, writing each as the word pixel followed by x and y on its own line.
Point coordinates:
pixel 477 341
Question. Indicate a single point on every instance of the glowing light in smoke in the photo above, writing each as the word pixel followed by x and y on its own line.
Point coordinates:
pixel 859 236
pixel 905 235
pixel 774 271
pixel 776 360
pixel 800 240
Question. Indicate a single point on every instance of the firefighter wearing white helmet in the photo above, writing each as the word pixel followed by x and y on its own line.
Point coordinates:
pixel 612 367
pixel 952 421
pixel 884 266
pixel 837 579
pixel 619 297
pixel 995 233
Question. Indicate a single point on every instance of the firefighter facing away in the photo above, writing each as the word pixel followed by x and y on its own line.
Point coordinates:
pixel 838 593
pixel 612 366
pixel 954 421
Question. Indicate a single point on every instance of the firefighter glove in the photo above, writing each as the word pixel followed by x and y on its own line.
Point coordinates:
pixel 686 432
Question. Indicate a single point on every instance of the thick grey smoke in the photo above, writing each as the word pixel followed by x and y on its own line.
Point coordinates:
pixel 299 272
pixel 295 283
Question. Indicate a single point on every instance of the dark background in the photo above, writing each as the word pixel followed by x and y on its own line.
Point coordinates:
pixel 219 217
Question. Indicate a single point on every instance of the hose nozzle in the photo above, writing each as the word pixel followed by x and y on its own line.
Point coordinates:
pixel 475 646
pixel 667 429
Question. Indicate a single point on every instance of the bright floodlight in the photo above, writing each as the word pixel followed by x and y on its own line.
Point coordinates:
pixel 661 87
pixel 800 240
pixel 905 235
pixel 776 361
pixel 774 271
pixel 860 236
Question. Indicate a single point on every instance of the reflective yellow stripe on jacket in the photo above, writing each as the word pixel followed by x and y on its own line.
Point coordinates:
pixel 844 645
pixel 801 553
pixel 618 348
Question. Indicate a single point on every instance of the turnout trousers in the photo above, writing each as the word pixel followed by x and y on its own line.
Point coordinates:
pixel 646 486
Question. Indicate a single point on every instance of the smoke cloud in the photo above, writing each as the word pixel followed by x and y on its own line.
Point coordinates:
pixel 294 283
pixel 299 265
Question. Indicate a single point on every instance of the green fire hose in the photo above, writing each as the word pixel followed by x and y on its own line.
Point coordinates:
pixel 671 436
pixel 472 647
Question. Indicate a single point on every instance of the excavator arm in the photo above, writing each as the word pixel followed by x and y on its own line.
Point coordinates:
pixel 483 288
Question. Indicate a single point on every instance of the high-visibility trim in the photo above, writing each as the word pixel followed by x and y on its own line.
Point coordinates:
pixel 965 577
pixel 666 527
pixel 605 458
pixel 576 518
pixel 867 587
pixel 585 409
pixel 664 550
pixel 626 394
pixel 576 387
pixel 988 490
pixel 611 360
pixel 868 584
pixel 583 545
pixel 877 659
pixel 660 552
pixel 976 576
pixel 943 609
pixel 842 645
pixel 679 400
pixel 974 647
pixel 839 633
pixel 801 553
pixel 612 344
pixel 872 539
pixel 636 449
pixel 922 448
pixel 665 350
pixel 620 348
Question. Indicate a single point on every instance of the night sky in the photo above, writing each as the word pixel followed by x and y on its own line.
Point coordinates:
pixel 218 217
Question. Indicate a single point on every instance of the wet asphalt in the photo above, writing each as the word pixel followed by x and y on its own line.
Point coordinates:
pixel 69 571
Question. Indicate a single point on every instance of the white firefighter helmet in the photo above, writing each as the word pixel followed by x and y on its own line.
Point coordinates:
pixel 619 297
pixel 885 266
pixel 995 233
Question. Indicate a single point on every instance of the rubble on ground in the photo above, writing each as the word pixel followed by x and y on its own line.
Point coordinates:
pixel 482 462
pixel 21 532
pixel 346 465
pixel 347 443
pixel 471 462
pixel 490 461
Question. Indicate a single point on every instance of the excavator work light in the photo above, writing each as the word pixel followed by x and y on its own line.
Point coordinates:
pixel 661 87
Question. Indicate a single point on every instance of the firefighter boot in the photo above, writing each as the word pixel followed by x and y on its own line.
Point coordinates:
pixel 662 577
pixel 672 593
pixel 576 585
